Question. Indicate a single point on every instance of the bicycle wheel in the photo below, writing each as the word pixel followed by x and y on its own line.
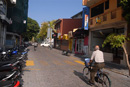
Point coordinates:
pixel 85 72
pixel 104 81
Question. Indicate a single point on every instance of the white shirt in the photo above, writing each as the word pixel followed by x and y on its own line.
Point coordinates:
pixel 98 56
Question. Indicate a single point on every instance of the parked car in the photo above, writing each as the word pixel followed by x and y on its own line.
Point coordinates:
pixel 45 44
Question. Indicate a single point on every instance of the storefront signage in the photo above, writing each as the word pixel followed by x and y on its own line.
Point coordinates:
pixel 85 16
pixel 86 22
pixel 98 20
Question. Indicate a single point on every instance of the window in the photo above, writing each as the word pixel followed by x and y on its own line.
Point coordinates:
pixel 113 15
pixel 106 4
pixel 97 10
pixel 118 3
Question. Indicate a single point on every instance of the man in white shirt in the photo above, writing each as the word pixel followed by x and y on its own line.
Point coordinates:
pixel 98 57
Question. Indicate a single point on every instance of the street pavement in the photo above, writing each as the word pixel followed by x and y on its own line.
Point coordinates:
pixel 49 68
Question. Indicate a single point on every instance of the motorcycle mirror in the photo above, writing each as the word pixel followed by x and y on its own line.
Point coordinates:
pixel 3 52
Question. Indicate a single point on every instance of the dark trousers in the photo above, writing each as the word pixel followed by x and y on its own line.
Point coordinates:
pixel 94 70
pixel 35 48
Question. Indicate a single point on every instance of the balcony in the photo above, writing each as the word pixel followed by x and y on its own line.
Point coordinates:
pixel 90 2
pixel 114 16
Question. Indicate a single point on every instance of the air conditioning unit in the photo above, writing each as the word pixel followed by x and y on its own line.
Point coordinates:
pixel 13 1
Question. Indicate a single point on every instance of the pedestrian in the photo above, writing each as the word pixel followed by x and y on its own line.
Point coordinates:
pixel 98 59
pixel 35 45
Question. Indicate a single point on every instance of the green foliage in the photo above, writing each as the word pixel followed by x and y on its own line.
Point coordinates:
pixel 51 24
pixel 43 30
pixel 126 9
pixel 32 29
pixel 115 40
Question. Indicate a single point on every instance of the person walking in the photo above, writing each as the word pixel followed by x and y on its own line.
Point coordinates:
pixel 98 59
pixel 35 46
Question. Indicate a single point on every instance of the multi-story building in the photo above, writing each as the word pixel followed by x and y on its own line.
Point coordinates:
pixel 78 15
pixel 4 20
pixel 105 18
pixel 18 14
pixel 63 26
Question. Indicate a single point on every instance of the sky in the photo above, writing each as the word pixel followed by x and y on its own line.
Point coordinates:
pixel 47 10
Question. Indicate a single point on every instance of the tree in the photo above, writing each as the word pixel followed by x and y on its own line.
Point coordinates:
pixel 117 41
pixel 126 9
pixel 32 29
pixel 44 28
pixel 51 25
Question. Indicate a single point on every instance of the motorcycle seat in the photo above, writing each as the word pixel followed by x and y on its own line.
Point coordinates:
pixel 7 62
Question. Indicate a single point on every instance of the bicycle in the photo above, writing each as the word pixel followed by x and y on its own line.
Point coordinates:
pixel 101 77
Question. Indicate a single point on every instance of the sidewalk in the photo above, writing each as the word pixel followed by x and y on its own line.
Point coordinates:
pixel 116 68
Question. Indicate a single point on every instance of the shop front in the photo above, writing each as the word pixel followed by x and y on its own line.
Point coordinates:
pixel 80 41
pixel 97 37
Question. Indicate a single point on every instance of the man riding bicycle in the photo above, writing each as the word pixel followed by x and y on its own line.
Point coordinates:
pixel 98 58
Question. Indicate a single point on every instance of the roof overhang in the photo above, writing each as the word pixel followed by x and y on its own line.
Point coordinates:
pixel 57 21
pixel 77 14
pixel 90 2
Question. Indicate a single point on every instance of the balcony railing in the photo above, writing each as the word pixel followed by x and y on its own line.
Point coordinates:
pixel 106 18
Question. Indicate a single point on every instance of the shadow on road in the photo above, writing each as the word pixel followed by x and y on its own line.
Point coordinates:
pixel 80 75
pixel 85 79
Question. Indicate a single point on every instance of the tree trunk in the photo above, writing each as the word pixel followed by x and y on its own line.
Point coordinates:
pixel 127 59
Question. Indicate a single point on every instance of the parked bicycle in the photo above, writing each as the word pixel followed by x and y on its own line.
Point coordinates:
pixel 101 77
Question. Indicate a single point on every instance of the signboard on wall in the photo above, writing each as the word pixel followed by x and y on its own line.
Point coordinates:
pixel 86 22
pixel 85 19
pixel 98 20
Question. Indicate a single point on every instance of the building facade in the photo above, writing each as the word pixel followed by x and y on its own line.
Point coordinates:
pixel 63 26
pixel 105 18
pixel 18 14
pixel 13 22
pixel 4 20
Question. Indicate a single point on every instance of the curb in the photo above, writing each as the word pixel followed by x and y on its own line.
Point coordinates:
pixel 117 72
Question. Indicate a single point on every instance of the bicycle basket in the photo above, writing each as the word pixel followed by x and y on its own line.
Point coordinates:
pixel 87 60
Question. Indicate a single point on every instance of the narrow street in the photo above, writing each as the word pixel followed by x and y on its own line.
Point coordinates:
pixel 49 68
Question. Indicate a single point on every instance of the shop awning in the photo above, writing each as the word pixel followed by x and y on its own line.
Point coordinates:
pixel 75 29
pixel 80 33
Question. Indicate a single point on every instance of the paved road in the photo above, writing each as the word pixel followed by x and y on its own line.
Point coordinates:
pixel 48 68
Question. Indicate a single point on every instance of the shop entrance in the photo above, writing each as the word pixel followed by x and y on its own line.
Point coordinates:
pixel 98 37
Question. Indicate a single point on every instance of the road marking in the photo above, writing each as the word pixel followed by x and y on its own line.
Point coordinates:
pixel 44 62
pixel 29 63
pixel 31 69
pixel 70 63
pixel 80 62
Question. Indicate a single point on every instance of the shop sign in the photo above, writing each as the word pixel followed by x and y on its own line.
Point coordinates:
pixel 85 16
pixel 86 22
pixel 98 20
